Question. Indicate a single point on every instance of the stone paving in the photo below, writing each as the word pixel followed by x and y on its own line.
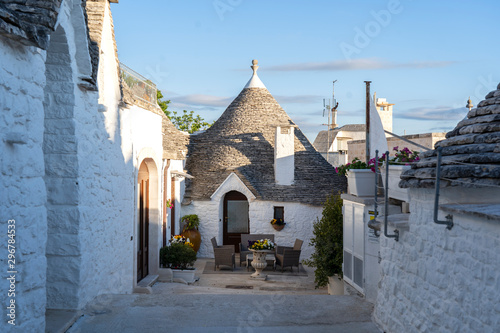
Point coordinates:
pixel 229 303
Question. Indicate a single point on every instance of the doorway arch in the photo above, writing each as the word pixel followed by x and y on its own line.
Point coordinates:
pixel 236 219
pixel 147 222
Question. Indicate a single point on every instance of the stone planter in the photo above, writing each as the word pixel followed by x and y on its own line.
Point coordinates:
pixel 335 285
pixel 259 263
pixel 184 274
pixel 164 275
pixel 361 182
pixel 395 191
pixel 177 275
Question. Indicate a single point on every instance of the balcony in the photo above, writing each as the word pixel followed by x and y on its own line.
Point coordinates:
pixel 142 89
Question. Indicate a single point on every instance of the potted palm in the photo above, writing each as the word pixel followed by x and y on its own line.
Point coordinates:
pixel 179 257
pixel 190 230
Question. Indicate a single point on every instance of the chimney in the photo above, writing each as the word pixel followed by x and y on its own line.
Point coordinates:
pixel 284 155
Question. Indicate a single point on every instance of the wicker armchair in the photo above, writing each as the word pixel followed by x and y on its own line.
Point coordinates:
pixel 244 244
pixel 289 256
pixel 224 255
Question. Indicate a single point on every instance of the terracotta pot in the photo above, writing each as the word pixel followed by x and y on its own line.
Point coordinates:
pixel 278 227
pixel 194 237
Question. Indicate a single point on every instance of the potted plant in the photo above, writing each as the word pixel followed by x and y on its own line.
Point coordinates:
pixel 397 165
pixel 360 176
pixel 190 230
pixel 179 256
pixel 260 249
pixel 278 224
pixel 328 247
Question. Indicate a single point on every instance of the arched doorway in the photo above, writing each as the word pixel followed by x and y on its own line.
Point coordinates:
pixel 143 222
pixel 236 220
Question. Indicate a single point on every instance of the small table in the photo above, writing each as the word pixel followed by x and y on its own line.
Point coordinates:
pixel 270 258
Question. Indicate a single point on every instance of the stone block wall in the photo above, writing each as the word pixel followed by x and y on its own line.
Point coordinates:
pixel 439 280
pixel 22 195
pixel 299 219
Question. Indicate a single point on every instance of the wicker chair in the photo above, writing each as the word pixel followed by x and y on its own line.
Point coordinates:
pixel 289 256
pixel 224 255
pixel 244 244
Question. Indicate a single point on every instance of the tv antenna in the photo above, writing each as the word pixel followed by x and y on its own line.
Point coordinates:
pixel 331 108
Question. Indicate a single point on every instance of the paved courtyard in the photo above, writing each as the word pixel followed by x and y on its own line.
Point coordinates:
pixel 229 303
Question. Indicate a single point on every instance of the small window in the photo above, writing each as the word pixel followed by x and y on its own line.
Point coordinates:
pixel 279 213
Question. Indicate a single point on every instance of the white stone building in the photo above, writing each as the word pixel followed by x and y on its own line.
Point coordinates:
pixel 440 279
pixel 333 143
pixel 87 163
pixel 252 165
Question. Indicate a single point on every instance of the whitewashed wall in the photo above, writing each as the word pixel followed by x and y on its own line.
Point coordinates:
pixel 175 165
pixel 439 280
pixel 299 218
pixel 106 183
pixel 22 194
pixel 146 129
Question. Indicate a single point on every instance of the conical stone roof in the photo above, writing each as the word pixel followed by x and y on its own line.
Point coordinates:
pixel 242 141
pixel 470 152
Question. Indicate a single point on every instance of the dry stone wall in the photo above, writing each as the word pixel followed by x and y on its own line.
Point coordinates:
pixel 23 196
pixel 439 280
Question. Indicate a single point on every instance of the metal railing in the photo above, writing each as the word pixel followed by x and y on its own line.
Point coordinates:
pixel 142 88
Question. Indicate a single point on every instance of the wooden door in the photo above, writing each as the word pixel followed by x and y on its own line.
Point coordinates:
pixel 143 226
pixel 172 211
pixel 236 220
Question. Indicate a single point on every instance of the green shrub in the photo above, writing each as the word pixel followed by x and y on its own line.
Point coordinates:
pixel 328 242
pixel 177 255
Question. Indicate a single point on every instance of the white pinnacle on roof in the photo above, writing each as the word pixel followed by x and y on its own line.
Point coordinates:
pixel 255 82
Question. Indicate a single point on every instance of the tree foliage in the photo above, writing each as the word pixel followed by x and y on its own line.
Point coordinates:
pixel 187 121
pixel 163 104
pixel 328 242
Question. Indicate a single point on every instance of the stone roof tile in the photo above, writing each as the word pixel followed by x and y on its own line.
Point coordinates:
pixel 242 141
pixel 470 152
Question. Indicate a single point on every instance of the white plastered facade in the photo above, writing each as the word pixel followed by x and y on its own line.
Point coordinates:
pixel 299 218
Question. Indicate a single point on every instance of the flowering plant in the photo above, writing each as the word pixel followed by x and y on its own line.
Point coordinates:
pixel 169 204
pixel 277 222
pixel 261 244
pixel 179 239
pixel 358 164
pixel 179 254
pixel 404 156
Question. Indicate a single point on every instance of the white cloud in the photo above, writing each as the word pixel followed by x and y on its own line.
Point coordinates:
pixel 202 100
pixel 298 99
pixel 356 64
pixel 433 113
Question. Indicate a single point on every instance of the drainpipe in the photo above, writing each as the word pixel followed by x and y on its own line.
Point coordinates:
pixel 166 165
pixel 449 217
pixel 396 232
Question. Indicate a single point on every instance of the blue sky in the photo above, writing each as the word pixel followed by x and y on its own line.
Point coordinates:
pixel 425 56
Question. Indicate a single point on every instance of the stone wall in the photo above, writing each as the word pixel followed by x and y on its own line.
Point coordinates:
pixel 23 195
pixel 106 182
pixel 439 280
pixel 299 219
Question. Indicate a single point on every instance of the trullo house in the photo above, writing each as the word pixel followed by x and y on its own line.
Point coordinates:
pixel 252 165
